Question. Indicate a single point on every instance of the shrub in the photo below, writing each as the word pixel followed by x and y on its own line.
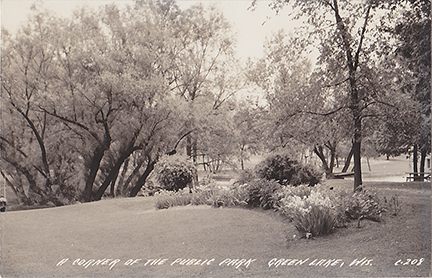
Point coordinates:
pixel 209 195
pixel 245 177
pixel 393 206
pixel 175 173
pixel 364 205
pixel 285 170
pixel 306 174
pixel 260 193
pixel 229 198
pixel 318 220
pixel 313 210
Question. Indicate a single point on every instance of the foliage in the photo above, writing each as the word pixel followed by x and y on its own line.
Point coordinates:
pixel 210 195
pixel 307 174
pixel 351 76
pixel 246 176
pixel 313 213
pixel 237 197
pixel 364 204
pixel 166 199
pixel 287 171
pixel 175 173
pixel 317 210
pixel 96 106
pixel 316 221
pixel 260 193
pixel 393 206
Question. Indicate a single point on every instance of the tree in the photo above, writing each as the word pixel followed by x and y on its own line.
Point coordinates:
pixel 102 96
pixel 298 100
pixel 93 91
pixel 27 69
pixel 248 138
pixel 350 41
pixel 204 47
pixel 413 32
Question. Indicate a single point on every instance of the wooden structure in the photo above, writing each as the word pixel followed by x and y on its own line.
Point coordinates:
pixel 342 175
pixel 418 176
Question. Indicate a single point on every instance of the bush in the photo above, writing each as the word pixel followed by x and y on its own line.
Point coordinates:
pixel 287 171
pixel 393 206
pixel 245 177
pixel 208 195
pixel 364 205
pixel 317 221
pixel 313 210
pixel 175 173
pixel 260 193
pixel 306 174
pixel 236 197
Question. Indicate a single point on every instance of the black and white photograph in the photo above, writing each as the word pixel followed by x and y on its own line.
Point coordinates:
pixel 215 138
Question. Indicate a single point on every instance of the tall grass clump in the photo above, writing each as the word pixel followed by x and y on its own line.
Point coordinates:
pixel 166 199
pixel 312 212
pixel 210 195
pixel 318 211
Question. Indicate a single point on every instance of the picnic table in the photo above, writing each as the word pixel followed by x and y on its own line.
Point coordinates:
pixel 418 176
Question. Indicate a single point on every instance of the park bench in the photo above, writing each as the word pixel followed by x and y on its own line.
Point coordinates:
pixel 418 176
pixel 343 175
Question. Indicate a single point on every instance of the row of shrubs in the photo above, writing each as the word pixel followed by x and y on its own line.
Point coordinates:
pixel 174 173
pixel 314 211
pixel 281 184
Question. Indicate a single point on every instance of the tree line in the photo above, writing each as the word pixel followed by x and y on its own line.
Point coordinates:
pixel 91 103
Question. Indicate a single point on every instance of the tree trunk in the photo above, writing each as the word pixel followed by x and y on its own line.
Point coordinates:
pixel 112 185
pixel 131 177
pixel 30 179
pixel 320 153
pixel 415 162
pixel 357 155
pixel 194 151
pixel 348 160
pixel 189 145
pixel 242 163
pixel 18 191
pixel 41 144
pixel 422 162
pixel 141 181
pixel 352 62
pixel 332 149
pixel 95 163
pixel 94 168
pixel 114 172
pixel 332 161
pixel 122 176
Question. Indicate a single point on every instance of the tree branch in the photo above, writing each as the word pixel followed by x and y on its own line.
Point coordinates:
pixel 54 114
pixel 356 59
pixel 326 114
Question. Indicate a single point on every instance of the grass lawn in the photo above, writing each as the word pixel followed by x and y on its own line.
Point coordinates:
pixel 228 242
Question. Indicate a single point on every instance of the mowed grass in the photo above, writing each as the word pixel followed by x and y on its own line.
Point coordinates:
pixel 132 230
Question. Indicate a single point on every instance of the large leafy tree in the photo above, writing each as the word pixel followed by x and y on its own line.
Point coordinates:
pixel 28 65
pixel 203 66
pixel 92 102
pixel 350 45
pixel 298 100
pixel 413 32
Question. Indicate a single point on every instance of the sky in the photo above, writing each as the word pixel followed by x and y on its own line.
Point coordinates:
pixel 251 27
